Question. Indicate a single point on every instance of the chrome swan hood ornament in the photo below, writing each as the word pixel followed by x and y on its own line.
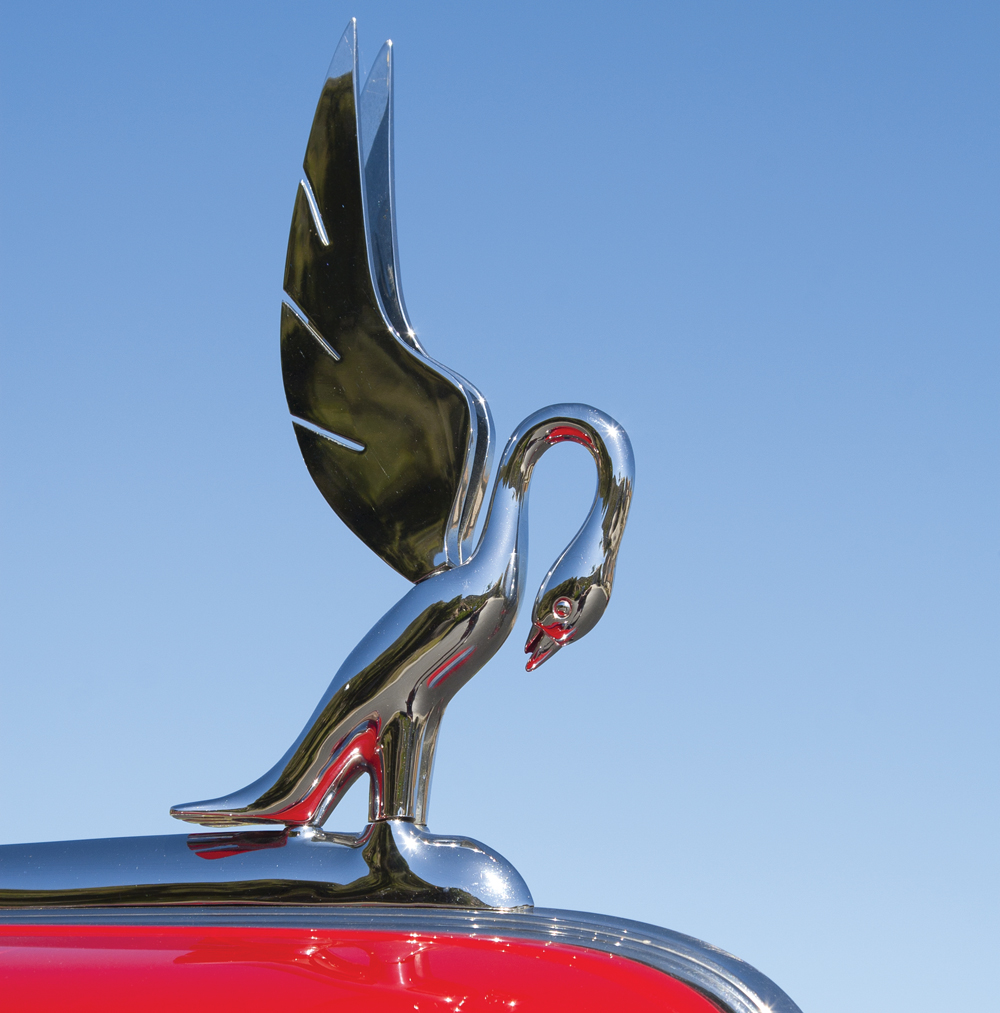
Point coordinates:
pixel 400 447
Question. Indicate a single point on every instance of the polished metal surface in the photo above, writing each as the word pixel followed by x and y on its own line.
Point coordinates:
pixel 381 713
pixel 734 985
pixel 400 447
pixel 398 444
pixel 390 862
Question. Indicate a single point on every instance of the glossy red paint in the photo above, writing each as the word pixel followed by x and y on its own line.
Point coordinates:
pixel 114 969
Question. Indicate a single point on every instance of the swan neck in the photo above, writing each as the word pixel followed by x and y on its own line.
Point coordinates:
pixel 505 533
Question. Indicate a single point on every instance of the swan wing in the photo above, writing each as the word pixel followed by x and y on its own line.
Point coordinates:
pixel 397 444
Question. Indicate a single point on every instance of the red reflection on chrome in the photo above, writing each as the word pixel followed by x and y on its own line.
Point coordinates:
pixel 533 662
pixel 561 433
pixel 535 649
pixel 557 631
pixel 239 842
pixel 449 667
pixel 359 751
pixel 113 969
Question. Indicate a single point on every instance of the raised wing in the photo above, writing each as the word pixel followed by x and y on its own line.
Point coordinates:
pixel 398 445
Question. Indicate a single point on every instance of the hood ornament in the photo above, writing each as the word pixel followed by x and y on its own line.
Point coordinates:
pixel 400 446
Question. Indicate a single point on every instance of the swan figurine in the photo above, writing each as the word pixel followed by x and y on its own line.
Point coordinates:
pixel 400 447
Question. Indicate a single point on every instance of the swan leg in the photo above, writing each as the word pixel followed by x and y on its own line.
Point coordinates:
pixel 278 798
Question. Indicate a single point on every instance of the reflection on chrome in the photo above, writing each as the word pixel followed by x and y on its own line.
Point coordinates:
pixel 400 447
pixel 389 862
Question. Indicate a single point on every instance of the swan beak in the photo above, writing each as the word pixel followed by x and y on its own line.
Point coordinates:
pixel 541 647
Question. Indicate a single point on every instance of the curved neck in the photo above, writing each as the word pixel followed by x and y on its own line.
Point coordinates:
pixel 505 536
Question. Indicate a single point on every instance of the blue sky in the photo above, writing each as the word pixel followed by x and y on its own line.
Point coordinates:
pixel 763 237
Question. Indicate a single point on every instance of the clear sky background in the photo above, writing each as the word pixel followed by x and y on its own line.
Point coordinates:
pixel 762 236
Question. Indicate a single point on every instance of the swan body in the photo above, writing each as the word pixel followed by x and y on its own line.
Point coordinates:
pixel 400 446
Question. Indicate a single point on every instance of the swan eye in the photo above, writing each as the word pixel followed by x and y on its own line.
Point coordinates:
pixel 561 608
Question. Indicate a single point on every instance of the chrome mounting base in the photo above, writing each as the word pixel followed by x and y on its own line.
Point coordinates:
pixel 390 862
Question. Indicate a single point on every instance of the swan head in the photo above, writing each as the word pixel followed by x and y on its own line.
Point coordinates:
pixel 576 590
pixel 563 614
